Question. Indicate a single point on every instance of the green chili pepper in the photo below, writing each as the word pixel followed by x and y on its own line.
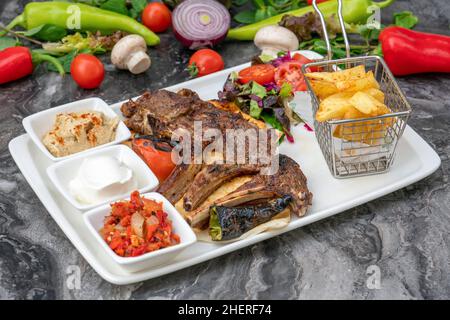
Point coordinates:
pixel 354 11
pixel 66 15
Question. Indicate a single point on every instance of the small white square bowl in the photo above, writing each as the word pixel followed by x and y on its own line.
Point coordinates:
pixel 62 172
pixel 38 124
pixel 94 221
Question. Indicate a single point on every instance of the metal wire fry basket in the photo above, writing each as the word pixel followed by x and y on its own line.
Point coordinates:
pixel 365 146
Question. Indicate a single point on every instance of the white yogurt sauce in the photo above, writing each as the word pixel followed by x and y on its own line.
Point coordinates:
pixel 100 178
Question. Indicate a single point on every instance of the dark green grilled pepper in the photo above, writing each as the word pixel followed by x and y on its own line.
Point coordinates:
pixel 67 15
pixel 228 223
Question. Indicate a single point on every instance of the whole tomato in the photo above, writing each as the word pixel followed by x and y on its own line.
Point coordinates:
pixel 157 17
pixel 205 61
pixel 87 71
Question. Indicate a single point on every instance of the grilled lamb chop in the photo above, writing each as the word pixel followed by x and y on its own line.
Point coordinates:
pixel 210 178
pixel 176 185
pixel 289 180
pixel 161 112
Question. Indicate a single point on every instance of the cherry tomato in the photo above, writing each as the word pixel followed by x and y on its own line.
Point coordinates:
pixel 291 72
pixel 260 73
pixel 205 61
pixel 156 154
pixel 304 60
pixel 157 17
pixel 87 71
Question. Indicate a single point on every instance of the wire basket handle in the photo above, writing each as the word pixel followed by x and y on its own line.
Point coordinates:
pixel 325 32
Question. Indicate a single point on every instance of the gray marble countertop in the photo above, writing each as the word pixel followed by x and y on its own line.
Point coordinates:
pixel 405 236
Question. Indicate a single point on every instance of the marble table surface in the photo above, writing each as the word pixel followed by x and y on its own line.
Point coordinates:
pixel 404 237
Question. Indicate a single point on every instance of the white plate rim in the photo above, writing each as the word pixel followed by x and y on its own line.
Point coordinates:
pixel 428 157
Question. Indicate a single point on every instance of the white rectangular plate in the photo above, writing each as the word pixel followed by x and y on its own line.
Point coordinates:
pixel 415 160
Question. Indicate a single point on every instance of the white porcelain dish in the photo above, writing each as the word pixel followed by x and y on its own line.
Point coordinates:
pixel 94 222
pixel 38 124
pixel 62 172
pixel 415 160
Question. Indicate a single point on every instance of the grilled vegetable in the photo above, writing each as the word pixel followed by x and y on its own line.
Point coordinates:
pixel 156 153
pixel 65 14
pixel 228 223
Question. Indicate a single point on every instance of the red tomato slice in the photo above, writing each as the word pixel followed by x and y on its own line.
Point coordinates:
pixel 291 72
pixel 260 73
pixel 304 60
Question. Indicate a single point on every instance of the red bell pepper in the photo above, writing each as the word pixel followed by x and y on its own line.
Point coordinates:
pixel 18 62
pixel 408 52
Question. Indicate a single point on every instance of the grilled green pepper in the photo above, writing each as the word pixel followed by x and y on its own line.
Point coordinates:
pixel 354 11
pixel 67 15
pixel 228 223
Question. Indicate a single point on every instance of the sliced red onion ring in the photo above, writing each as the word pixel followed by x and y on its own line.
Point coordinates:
pixel 200 23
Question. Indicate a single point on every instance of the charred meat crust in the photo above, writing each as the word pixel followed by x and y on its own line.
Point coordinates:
pixel 175 186
pixel 289 180
pixel 210 178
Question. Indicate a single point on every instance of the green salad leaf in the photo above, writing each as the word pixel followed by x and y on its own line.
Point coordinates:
pixel 405 19
pixel 7 42
pixel 258 90
pixel 46 32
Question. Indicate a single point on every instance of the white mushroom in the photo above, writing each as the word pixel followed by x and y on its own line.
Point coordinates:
pixel 273 39
pixel 130 53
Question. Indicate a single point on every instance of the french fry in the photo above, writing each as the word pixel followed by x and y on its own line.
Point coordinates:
pixel 334 106
pixel 342 75
pixel 376 93
pixel 323 89
pixel 365 103
pixel 359 84
pixel 352 94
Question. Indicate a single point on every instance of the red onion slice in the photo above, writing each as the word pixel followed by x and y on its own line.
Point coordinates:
pixel 200 23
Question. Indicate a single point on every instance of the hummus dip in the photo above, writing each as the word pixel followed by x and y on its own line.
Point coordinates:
pixel 78 131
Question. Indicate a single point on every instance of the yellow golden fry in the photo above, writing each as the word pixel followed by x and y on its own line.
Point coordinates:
pixel 366 82
pixel 323 89
pixel 334 107
pixel 376 93
pixel 365 103
pixel 341 75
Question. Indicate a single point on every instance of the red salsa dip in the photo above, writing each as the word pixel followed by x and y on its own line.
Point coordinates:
pixel 138 226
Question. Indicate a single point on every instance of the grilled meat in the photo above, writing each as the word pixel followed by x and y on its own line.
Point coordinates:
pixel 176 185
pixel 161 113
pixel 210 178
pixel 289 180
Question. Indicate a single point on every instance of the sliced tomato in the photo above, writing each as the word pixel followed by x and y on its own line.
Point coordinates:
pixel 260 73
pixel 291 72
pixel 304 60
